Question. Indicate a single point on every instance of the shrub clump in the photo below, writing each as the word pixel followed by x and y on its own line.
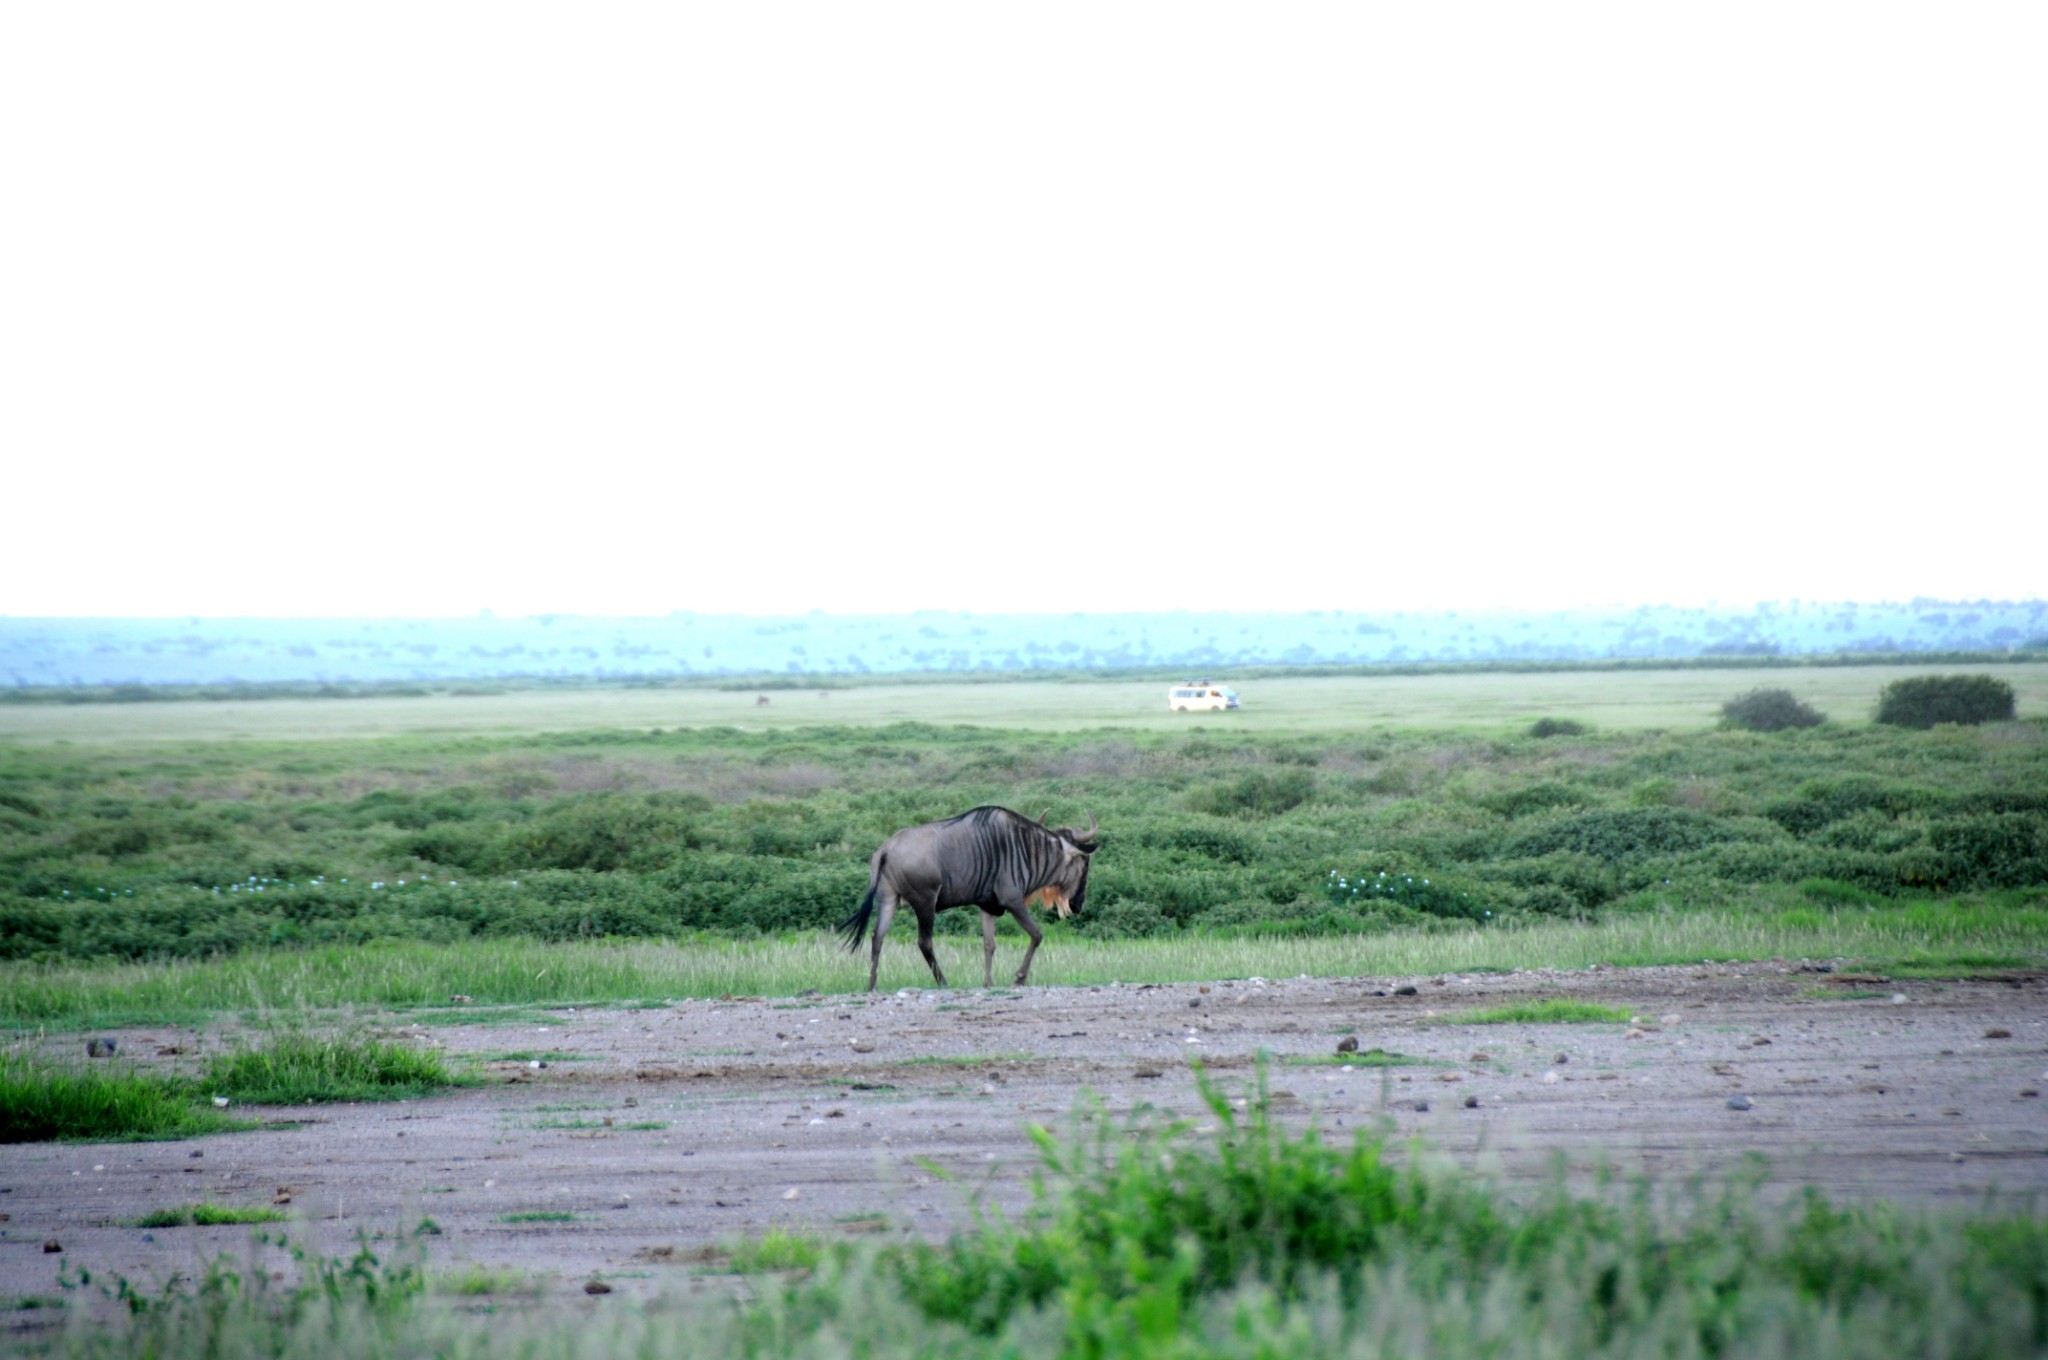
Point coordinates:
pixel 1924 700
pixel 1557 727
pixel 1769 710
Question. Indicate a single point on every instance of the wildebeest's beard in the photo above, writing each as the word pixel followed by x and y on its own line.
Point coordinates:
pixel 1066 895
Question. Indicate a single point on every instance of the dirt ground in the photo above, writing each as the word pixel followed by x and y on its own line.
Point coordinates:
pixel 650 1134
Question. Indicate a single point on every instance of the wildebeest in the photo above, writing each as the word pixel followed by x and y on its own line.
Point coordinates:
pixel 990 858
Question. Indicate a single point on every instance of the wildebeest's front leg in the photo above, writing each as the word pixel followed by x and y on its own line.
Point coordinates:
pixel 1022 912
pixel 926 914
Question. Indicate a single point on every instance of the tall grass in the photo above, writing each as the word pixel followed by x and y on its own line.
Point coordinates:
pixel 300 1068
pixel 1922 937
pixel 41 1103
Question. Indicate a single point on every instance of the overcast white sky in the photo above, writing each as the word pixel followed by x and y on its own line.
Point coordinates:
pixel 423 308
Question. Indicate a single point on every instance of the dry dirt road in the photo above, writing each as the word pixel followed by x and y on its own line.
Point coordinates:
pixel 651 1134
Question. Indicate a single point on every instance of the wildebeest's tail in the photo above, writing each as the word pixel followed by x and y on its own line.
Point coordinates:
pixel 854 926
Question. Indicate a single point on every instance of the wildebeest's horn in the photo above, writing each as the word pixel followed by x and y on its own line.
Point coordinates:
pixel 1043 815
pixel 1091 828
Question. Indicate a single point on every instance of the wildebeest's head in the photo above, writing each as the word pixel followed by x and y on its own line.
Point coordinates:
pixel 1068 890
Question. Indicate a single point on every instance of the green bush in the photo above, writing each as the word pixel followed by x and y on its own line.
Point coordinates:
pixel 1823 802
pixel 2002 851
pixel 1428 894
pixel 1769 710
pixel 1923 701
pixel 1257 793
pixel 1620 834
pixel 1557 727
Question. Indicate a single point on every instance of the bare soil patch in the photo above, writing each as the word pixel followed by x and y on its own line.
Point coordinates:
pixel 650 1135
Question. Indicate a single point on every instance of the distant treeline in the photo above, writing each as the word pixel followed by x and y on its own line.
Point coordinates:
pixel 112 653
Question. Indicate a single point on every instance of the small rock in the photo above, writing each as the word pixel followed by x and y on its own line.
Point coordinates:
pixel 1471 1102
pixel 1348 1044
pixel 1408 990
pixel 860 1046
pixel 1551 1079
pixel 1422 1107
pixel 1450 1076
pixel 2029 1093
pixel 1147 1073
pixel 220 1102
pixel 53 1245
pixel 1898 998
pixel 1563 1058
pixel 1738 1102
pixel 101 1048
pixel 1194 1001
pixel 460 999
pixel 792 1193
pixel 1996 1033
pixel 596 1287
pixel 195 1154
pixel 1479 1058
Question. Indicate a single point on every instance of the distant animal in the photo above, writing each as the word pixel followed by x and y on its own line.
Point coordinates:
pixel 991 858
pixel 760 699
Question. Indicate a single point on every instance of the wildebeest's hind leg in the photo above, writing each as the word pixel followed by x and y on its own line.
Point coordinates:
pixel 988 948
pixel 1024 918
pixel 885 904
pixel 925 916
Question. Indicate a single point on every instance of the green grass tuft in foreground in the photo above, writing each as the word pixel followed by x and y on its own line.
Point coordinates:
pixel 296 1068
pixel 776 1249
pixel 42 1103
pixel 207 1216
pixel 1548 1011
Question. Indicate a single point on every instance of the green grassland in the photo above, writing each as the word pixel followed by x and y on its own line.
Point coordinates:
pixel 1426 825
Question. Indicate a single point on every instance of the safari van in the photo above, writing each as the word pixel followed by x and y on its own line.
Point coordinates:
pixel 1191 696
